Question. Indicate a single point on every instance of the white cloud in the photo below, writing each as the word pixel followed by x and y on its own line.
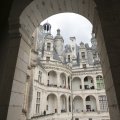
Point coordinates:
pixel 71 24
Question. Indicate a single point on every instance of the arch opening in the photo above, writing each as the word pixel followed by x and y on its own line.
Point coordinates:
pixel 91 104
pixel 52 104
pixel 63 101
pixel 52 79
pixel 29 27
pixel 88 83
pixel 63 80
pixel 77 104
pixel 76 84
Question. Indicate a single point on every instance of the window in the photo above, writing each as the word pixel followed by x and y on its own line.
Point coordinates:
pixel 39 76
pixel 68 58
pixel 86 86
pixel 38 103
pixel 103 103
pixel 48 58
pixel 73 48
pixel 100 82
pixel 86 79
pixel 83 55
pixel 48 46
pixel 88 107
pixel 88 98
pixel 76 118
pixel 46 107
pixel 90 118
pixel 69 82
pixel 84 65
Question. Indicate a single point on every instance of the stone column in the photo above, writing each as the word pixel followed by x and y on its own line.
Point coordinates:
pixel 84 105
pixel 67 104
pixel 97 104
pixel 82 82
pixel 58 79
pixel 94 80
pixel 44 101
pixel 66 81
pixel 71 103
pixel 59 105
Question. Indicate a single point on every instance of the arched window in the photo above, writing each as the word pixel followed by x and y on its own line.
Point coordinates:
pixel 63 80
pixel 48 46
pixel 52 79
pixel 100 82
pixel 69 104
pixel 88 83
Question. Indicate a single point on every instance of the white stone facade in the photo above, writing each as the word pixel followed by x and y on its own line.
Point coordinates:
pixel 67 84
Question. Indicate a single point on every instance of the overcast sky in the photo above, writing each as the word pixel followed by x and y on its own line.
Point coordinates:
pixel 71 24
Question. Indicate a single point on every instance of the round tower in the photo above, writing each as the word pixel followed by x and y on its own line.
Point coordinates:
pixel 59 42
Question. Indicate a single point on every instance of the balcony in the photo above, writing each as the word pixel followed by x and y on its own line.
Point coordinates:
pixel 42 116
pixel 63 111
pixel 51 85
pixel 55 63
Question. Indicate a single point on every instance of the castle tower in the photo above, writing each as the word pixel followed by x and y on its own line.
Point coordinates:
pixel 59 42
pixel 48 42
pixel 96 58
pixel 93 41
pixel 83 56
pixel 73 46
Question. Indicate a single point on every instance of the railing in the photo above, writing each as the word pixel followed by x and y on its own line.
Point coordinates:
pixel 77 111
pixel 56 63
pixel 51 85
pixel 45 115
pixel 91 110
pixel 63 111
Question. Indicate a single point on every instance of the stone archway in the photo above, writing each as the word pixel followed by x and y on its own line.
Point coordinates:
pixel 76 84
pixel 62 80
pixel 52 79
pixel 63 103
pixel 77 104
pixel 91 104
pixel 52 104
pixel 11 75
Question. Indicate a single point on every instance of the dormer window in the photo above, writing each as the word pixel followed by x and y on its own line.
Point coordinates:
pixel 73 48
pixel 84 65
pixel 48 46
pixel 48 58
pixel 83 55
pixel 68 58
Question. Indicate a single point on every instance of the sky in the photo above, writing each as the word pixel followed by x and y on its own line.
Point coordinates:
pixel 71 25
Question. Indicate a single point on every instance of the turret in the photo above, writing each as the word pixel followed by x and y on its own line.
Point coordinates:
pixel 83 56
pixel 48 43
pixel 73 46
pixel 93 41
pixel 59 42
